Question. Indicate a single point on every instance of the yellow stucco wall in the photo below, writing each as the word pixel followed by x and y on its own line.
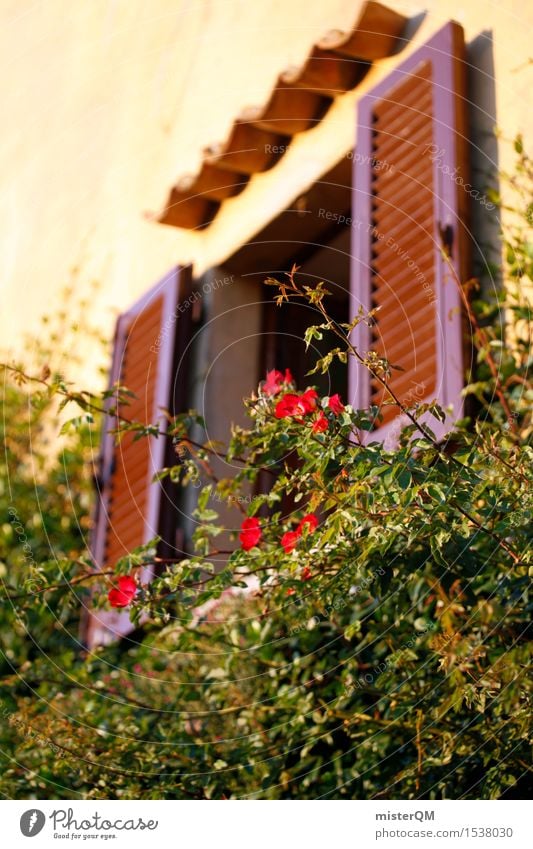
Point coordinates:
pixel 107 102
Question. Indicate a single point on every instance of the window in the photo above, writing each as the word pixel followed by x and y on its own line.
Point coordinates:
pixel 376 242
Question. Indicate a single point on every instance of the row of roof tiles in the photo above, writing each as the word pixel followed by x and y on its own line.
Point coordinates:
pixel 300 99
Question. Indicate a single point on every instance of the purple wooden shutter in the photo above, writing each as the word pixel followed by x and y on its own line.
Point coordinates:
pixel 129 503
pixel 409 192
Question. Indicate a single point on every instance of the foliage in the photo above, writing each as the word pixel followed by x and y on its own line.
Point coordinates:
pixel 46 490
pixel 385 656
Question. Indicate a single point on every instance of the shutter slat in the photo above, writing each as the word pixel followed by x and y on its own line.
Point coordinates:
pixel 388 280
pixel 414 166
pixel 396 320
pixel 409 276
pixel 395 134
pixel 386 264
pixel 392 103
pixel 139 409
pixel 125 528
pixel 141 353
pixel 406 204
pixel 401 346
pixel 128 496
pixel 403 236
pixel 421 371
pixel 405 226
pixel 399 115
pixel 132 470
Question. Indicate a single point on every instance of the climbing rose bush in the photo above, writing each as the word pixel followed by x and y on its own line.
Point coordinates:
pixel 368 614
pixel 365 633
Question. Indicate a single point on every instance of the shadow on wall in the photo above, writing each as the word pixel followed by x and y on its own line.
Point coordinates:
pixel 484 162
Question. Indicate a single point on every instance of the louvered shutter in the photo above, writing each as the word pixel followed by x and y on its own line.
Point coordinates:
pixel 130 503
pixel 409 196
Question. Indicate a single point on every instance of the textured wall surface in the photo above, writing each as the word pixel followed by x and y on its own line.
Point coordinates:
pixel 107 103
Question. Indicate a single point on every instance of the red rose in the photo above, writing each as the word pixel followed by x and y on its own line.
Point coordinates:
pixel 289 540
pixel 310 520
pixel 275 380
pixel 250 533
pixel 308 399
pixel 321 423
pixel 296 405
pixel 335 404
pixel 272 384
pixel 306 573
pixel 122 595
pixel 287 406
pixel 291 591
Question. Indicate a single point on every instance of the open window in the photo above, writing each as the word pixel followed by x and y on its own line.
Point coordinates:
pixel 313 233
pixel 373 228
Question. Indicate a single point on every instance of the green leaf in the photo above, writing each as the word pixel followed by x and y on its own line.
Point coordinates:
pixel 76 423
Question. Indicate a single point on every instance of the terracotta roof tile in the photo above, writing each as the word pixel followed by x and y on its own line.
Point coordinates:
pixel 300 99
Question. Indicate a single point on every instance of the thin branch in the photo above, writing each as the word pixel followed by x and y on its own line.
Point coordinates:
pixel 484 343
pixel 77 580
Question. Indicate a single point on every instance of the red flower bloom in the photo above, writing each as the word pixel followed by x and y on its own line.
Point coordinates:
pixel 291 591
pixel 335 404
pixel 122 595
pixel 287 406
pixel 272 384
pixel 310 520
pixel 250 533
pixel 296 405
pixel 320 424
pixel 289 540
pixel 275 380
pixel 308 399
pixel 306 573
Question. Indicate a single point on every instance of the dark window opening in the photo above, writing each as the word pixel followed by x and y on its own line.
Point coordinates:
pixel 284 343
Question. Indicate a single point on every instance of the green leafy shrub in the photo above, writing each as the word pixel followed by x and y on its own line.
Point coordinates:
pixel 366 636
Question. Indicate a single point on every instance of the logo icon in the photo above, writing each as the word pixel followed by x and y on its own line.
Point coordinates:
pixel 32 822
